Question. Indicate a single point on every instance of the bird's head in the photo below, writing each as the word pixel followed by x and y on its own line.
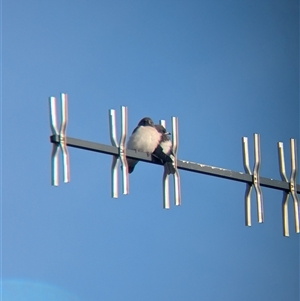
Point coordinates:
pixel 161 129
pixel 146 121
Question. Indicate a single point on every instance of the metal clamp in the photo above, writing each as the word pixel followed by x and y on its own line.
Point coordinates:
pixel 176 177
pixel 58 139
pixel 292 191
pixel 122 151
pixel 255 180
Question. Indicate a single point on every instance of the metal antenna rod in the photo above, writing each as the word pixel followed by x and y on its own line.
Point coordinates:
pixel 122 150
pixel 166 181
pixel 55 147
pixel 256 178
pixel 114 165
pixel 175 142
pixel 293 182
pixel 64 121
pixel 285 197
pixel 59 135
pixel 248 186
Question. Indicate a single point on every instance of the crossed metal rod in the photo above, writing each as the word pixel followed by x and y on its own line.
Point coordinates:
pixel 255 180
pixel 122 152
pixel 62 143
pixel 176 177
pixel 119 152
pixel 292 186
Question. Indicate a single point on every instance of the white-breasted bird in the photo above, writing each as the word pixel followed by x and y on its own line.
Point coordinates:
pixel 167 147
pixel 146 138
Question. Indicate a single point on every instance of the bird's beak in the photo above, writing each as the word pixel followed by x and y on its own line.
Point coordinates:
pixel 168 133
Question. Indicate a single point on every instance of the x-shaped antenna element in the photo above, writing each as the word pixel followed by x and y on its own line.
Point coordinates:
pixel 122 152
pixel 255 180
pixel 166 188
pixel 58 139
pixel 292 191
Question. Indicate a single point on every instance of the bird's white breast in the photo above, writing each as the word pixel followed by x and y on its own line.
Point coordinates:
pixel 144 139
pixel 166 146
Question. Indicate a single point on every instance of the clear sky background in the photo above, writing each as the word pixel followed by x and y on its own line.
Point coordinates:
pixel 226 69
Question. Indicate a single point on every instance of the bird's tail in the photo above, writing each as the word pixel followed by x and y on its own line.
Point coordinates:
pixel 169 168
pixel 131 164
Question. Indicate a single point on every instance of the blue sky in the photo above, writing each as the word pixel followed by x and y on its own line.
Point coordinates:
pixel 226 69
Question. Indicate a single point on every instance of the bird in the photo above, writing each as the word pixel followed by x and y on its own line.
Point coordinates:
pixel 167 148
pixel 146 138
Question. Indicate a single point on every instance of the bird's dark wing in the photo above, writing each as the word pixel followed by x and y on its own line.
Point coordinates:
pixel 160 155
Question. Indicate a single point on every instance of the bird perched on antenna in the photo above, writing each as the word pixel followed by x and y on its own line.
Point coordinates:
pixel 147 138
pixel 167 147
